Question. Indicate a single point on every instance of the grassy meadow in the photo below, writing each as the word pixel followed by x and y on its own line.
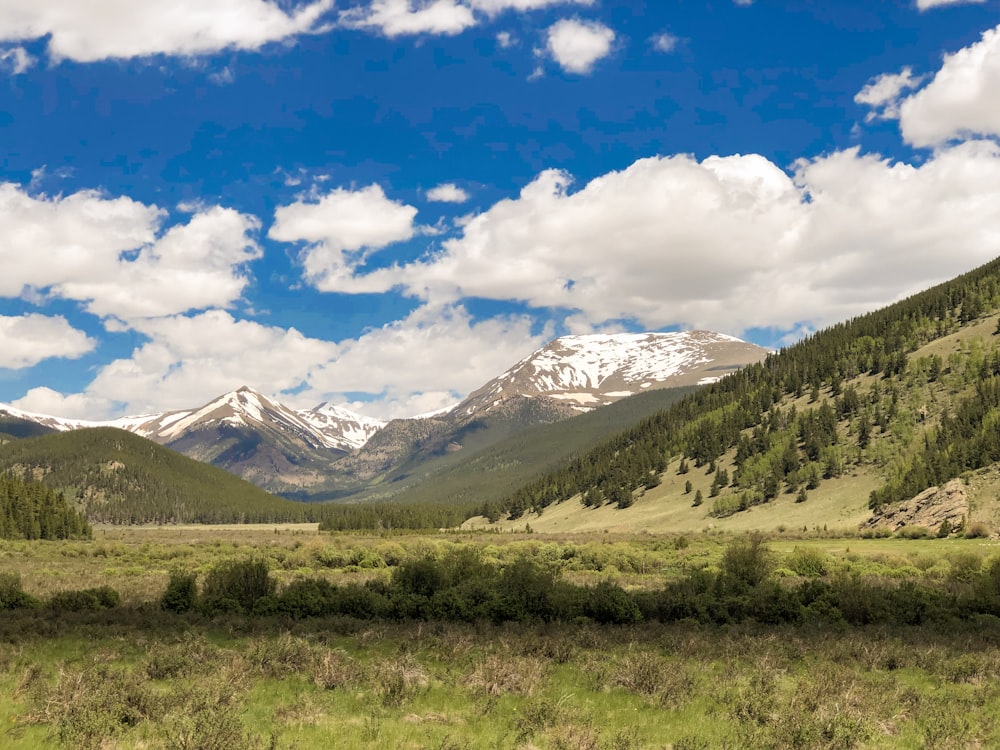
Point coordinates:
pixel 132 675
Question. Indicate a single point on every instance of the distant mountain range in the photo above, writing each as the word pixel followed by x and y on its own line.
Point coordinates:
pixel 331 451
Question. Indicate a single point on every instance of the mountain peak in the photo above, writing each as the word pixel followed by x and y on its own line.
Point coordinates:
pixel 589 370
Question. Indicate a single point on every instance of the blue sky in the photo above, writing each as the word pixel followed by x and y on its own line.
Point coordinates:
pixel 385 203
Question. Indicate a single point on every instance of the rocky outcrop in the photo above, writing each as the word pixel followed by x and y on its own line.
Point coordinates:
pixel 930 509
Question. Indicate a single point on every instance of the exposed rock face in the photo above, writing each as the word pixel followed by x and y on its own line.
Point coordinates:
pixel 929 509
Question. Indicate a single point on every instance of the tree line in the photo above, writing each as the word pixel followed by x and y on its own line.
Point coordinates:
pixel 30 510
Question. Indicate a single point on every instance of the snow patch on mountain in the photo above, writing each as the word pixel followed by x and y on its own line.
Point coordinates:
pixel 325 426
pixel 590 370
pixel 340 427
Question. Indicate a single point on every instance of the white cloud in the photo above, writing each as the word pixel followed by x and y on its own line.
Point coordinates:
pixel 29 339
pixel 424 362
pixel 400 17
pixel 427 360
pixel 493 7
pixel 339 225
pixel 664 42
pixel 43 400
pixel 190 360
pixel 16 60
pixel 448 192
pixel 728 243
pixel 505 40
pixel 576 45
pixel 926 4
pixel 960 100
pixel 108 254
pixel 90 30
pixel 883 93
pixel 222 77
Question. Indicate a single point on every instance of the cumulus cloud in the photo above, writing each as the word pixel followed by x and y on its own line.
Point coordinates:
pixel 28 339
pixel 427 361
pixel 727 243
pixel 424 362
pixel 664 42
pixel 43 400
pixel 404 17
pixel 90 30
pixel 16 60
pixel 109 254
pixel 342 227
pixel 577 45
pixel 189 360
pixel 961 100
pixel 493 7
pixel 884 92
pixel 448 192
pixel 926 4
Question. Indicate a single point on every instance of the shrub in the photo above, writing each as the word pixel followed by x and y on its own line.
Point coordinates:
pixel 12 596
pixel 965 566
pixel 181 593
pixel 398 680
pixel 335 670
pixel 977 530
pixel 746 562
pixel 808 562
pixel 913 532
pixel 498 675
pixel 609 604
pixel 87 707
pixel 236 585
pixel 308 597
pixel 103 597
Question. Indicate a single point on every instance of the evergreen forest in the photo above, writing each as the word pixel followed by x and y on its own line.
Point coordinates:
pixel 30 510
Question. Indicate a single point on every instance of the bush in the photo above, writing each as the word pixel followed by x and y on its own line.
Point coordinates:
pixel 12 596
pixel 609 604
pixel 977 530
pixel 181 593
pixel 808 562
pixel 913 532
pixel 103 597
pixel 236 586
pixel 308 597
pixel 746 562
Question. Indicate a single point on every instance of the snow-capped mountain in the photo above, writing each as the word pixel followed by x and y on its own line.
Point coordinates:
pixel 331 449
pixel 341 427
pixel 324 426
pixel 592 370
pixel 569 375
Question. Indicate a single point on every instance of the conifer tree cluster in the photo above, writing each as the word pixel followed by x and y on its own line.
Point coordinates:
pixel 30 510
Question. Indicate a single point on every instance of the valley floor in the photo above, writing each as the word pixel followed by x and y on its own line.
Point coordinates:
pixel 133 676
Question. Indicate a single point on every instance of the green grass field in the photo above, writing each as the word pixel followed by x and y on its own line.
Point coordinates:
pixel 137 677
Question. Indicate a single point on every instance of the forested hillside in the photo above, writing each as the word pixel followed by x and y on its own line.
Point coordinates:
pixel 118 477
pixel 909 393
pixel 30 510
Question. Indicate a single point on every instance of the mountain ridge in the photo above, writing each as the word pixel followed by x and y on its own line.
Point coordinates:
pixel 331 450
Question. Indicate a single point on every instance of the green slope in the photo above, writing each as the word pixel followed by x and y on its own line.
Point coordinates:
pixel 484 476
pixel 483 460
pixel 867 412
pixel 118 477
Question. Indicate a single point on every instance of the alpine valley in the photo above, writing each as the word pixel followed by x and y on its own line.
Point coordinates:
pixel 329 452
pixel 882 422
